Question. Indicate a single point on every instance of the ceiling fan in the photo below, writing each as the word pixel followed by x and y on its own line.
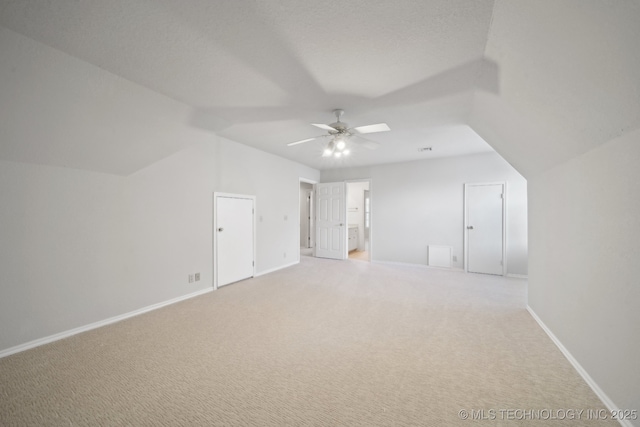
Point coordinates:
pixel 341 134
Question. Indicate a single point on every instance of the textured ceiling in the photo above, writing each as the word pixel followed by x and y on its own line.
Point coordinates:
pixel 260 72
pixel 542 81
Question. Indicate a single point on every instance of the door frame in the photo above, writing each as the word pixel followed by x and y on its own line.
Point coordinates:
pixel 347 182
pixel 312 213
pixel 504 222
pixel 215 229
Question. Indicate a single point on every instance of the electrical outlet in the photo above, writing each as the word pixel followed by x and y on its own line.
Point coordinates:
pixel 285 254
pixel 455 258
pixel 191 278
pixel 197 277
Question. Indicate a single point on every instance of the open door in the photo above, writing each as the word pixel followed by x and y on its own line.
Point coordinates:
pixel 331 216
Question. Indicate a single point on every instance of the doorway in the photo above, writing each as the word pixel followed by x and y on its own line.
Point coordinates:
pixel 485 228
pixel 233 238
pixel 359 219
pixel 307 218
pixel 335 219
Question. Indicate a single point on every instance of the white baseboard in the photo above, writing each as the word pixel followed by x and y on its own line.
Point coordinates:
pixel 594 386
pixel 518 276
pixel 271 270
pixel 70 332
pixel 408 264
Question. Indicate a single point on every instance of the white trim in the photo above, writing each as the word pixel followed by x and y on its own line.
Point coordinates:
pixel 425 266
pixel 271 270
pixel 217 194
pixel 307 180
pixel 517 276
pixel 55 337
pixel 504 223
pixel 583 373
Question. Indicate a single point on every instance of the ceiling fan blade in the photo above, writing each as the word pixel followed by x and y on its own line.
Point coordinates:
pixel 321 126
pixel 301 141
pixel 366 143
pixel 380 127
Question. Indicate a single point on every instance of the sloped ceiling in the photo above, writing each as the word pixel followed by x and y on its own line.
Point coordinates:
pixel 539 80
pixel 569 79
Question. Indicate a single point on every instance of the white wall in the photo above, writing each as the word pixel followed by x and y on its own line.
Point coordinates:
pixel 170 225
pixel 276 184
pixel 568 78
pixel 171 213
pixel 81 246
pixel 416 204
pixel 78 246
pixel 62 242
pixel 584 269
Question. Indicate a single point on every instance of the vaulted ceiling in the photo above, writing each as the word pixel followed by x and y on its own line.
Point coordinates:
pixel 540 80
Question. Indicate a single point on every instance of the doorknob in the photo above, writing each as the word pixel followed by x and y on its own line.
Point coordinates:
pixel 220 229
pixel 470 227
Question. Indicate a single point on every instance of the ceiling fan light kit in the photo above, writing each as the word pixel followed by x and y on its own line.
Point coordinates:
pixel 328 151
pixel 341 134
pixel 337 148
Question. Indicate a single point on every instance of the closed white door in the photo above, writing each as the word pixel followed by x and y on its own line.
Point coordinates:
pixel 485 228
pixel 234 239
pixel 331 214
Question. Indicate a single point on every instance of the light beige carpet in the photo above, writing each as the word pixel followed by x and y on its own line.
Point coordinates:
pixel 323 343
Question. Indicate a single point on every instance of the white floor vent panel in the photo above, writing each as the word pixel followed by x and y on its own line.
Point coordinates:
pixel 439 256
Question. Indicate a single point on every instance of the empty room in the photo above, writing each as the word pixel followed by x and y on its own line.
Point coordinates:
pixel 319 213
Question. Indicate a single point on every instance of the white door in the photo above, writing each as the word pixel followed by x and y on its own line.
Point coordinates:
pixel 234 238
pixel 484 228
pixel 331 214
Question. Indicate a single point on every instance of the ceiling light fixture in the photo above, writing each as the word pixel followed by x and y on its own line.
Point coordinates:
pixel 337 146
pixel 341 136
pixel 331 147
